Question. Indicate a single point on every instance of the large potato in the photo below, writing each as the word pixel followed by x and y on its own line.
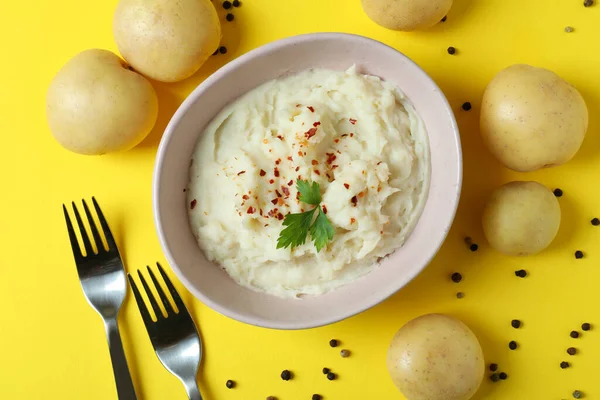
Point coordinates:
pixel 406 15
pixel 96 105
pixel 166 40
pixel 532 119
pixel 436 357
pixel 521 218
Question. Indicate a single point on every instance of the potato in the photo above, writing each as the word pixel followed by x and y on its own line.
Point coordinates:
pixel 166 40
pixel 96 105
pixel 406 15
pixel 532 119
pixel 436 357
pixel 521 218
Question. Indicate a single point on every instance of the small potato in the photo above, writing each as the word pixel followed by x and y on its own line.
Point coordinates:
pixel 436 357
pixel 406 15
pixel 521 218
pixel 532 119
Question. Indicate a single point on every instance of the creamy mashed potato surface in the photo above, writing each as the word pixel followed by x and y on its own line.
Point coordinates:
pixel 355 135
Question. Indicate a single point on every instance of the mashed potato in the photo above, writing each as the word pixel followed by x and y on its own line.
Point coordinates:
pixel 355 135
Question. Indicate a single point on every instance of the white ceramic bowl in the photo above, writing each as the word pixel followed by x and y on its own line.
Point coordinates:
pixel 209 283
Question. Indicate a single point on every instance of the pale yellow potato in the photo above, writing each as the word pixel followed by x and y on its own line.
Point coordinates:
pixel 436 357
pixel 166 40
pixel 96 105
pixel 521 218
pixel 531 118
pixel 406 15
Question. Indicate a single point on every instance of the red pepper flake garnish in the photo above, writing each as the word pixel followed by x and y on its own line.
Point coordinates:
pixel 330 158
pixel 290 158
pixel 352 121
pixel 265 141
pixel 299 177
pixel 324 209
pixel 354 200
pixel 311 108
pixel 245 197
pixel 314 162
pixel 277 193
pixel 344 135
pixel 278 161
pixel 251 210
pixel 352 220
pixel 291 182
pixel 273 212
pixel 300 153
pixel 317 172
pixel 381 232
pixel 298 105
pixel 280 216
pixel 297 169
pixel 285 190
pixel 361 194
pixel 351 134
pixel 334 166
pixel 271 181
pixel 260 211
pixel 266 225
pixel 280 137
pixel 241 172
pixel 274 201
pixel 379 163
pixel 337 140
pixel 327 175
pixel 378 189
pixel 310 133
pixel 339 152
pixel 316 124
pixel 239 213
pixel 302 210
pixel 193 204
pixel 347 186
pixel 262 172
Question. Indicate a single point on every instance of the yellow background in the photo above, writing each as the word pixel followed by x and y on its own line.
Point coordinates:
pixel 53 343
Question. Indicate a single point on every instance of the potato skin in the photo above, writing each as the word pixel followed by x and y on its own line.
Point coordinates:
pixel 406 15
pixel 521 218
pixel 436 357
pixel 531 118
pixel 166 40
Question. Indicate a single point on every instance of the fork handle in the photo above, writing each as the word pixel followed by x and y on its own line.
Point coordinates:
pixel 123 381
pixel 192 390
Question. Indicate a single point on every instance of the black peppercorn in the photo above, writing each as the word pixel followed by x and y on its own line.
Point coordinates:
pixel 316 397
pixel 271 398
pixel 445 18
pixel 493 367
pixel 571 351
pixel 466 106
pixel 495 377
pixel 326 371
pixel 229 17
pixel 451 50
pixel 558 192
pixel 585 326
pixel 236 3
pixel 503 375
pixel 512 345
pixel 230 384
pixel 578 394
pixel 222 49
pixel 333 343
pixel 345 353
pixel 286 375
pixel 521 273
pixel 515 323
pixel 574 334
pixel 456 277
pixel 595 221
pixel 227 5
pixel 588 3
pixel 564 365
pixel 579 254
pixel 460 295
pixel 331 376
pixel 474 247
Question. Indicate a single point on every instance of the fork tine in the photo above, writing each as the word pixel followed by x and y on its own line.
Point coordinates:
pixel 95 234
pixel 151 297
pixel 140 302
pixel 110 240
pixel 72 236
pixel 178 302
pixel 161 293
pixel 84 235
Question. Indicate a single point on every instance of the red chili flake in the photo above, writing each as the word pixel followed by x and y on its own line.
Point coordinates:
pixel 251 210
pixel 334 166
pixel 299 177
pixel 347 186
pixel 266 225
pixel 290 183
pixel 297 169
pixel 354 200
pixel 344 135
pixel 280 137
pixel 270 150
pixel 300 153
pixel 381 232
pixel 311 108
pixel 262 172
pixel 241 172
pixel 260 212
pixel 273 212
pixel 351 134
pixel 314 162
pixel 278 161
pixel 298 105
pixel 339 152
pixel 352 121
pixel 317 172
pixel 330 158
pixel 324 209
pixel 302 210
pixel 280 216
pixel 327 175
pixel 361 194
pixel 193 204
pixel 265 141
pixel 297 195
pixel 245 197
pixel 276 172
pixel 239 213
pixel 363 172
pixel 285 190
pixel 310 133
pixel 277 193
pixel 379 163
pixel 316 124
pixel 279 201
pixel 378 189
pixel 352 220
pixel 274 201
pixel 271 181
pixel 337 140
pixel 290 158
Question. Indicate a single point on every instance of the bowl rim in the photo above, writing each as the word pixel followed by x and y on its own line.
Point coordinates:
pixel 219 74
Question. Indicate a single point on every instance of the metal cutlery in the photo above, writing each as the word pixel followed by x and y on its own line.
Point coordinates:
pixel 174 337
pixel 102 277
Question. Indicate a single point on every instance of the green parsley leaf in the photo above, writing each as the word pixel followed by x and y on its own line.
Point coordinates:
pixel 309 194
pixel 321 231
pixel 299 225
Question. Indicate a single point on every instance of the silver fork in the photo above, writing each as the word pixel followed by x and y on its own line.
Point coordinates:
pixel 102 277
pixel 174 337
